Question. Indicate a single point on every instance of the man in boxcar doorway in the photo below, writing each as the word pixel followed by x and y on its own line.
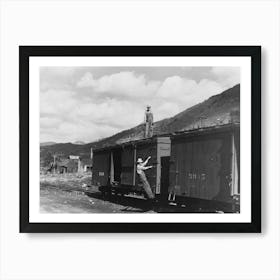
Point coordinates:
pixel 141 167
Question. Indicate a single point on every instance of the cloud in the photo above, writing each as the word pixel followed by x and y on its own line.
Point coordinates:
pixel 166 109
pixel 117 113
pixel 176 87
pixel 57 71
pixel 56 77
pixel 141 91
pixel 119 85
pixel 49 123
pixel 88 108
pixel 227 76
pixel 66 117
pixel 57 102
pixel 187 92
pixel 71 132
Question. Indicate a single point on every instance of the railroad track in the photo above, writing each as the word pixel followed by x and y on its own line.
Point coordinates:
pixel 67 189
pixel 131 200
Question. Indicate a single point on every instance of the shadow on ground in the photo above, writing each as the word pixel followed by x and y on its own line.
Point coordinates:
pixel 136 204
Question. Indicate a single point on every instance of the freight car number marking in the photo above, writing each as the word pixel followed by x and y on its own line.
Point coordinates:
pixel 101 173
pixel 196 176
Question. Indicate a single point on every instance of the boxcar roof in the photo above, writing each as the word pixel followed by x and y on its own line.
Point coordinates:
pixel 131 143
pixel 206 130
pixel 174 135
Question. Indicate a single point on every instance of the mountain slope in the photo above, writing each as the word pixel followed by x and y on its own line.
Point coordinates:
pixel 215 110
pixel 47 144
pixel 79 143
pixel 218 109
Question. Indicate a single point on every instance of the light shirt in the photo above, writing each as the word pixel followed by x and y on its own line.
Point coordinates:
pixel 148 117
pixel 140 169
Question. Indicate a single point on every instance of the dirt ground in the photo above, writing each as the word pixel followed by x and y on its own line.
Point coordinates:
pixel 72 193
pixel 69 193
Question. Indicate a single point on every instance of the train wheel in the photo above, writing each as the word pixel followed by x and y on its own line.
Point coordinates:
pixel 179 204
pixel 109 193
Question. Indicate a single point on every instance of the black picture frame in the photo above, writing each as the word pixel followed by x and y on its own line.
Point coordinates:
pixel 25 52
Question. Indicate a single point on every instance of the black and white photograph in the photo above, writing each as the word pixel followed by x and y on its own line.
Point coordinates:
pixel 140 139
pixel 133 136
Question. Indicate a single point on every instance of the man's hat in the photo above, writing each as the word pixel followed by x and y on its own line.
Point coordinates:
pixel 139 160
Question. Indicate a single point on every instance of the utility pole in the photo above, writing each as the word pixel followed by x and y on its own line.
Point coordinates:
pixel 54 162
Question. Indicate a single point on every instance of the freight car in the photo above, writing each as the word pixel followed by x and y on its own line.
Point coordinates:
pixel 200 165
pixel 114 167
pixel 204 165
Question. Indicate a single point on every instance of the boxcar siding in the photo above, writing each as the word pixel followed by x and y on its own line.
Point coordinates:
pixel 237 145
pixel 134 166
pixel 201 167
pixel 235 177
pixel 112 174
pixel 128 163
pixel 224 193
pixel 100 168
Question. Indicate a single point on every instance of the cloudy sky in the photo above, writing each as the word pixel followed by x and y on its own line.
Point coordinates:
pixel 89 103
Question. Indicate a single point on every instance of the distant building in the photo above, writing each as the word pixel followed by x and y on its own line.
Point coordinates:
pixel 72 164
pixel 74 157
pixel 87 164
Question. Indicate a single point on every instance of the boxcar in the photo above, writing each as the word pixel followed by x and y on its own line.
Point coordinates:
pixel 114 167
pixel 204 164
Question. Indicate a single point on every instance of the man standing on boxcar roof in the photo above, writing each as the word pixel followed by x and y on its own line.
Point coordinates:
pixel 141 167
pixel 149 122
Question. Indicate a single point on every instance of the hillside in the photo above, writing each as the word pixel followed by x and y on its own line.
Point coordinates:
pixel 47 144
pixel 218 109
pixel 79 143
